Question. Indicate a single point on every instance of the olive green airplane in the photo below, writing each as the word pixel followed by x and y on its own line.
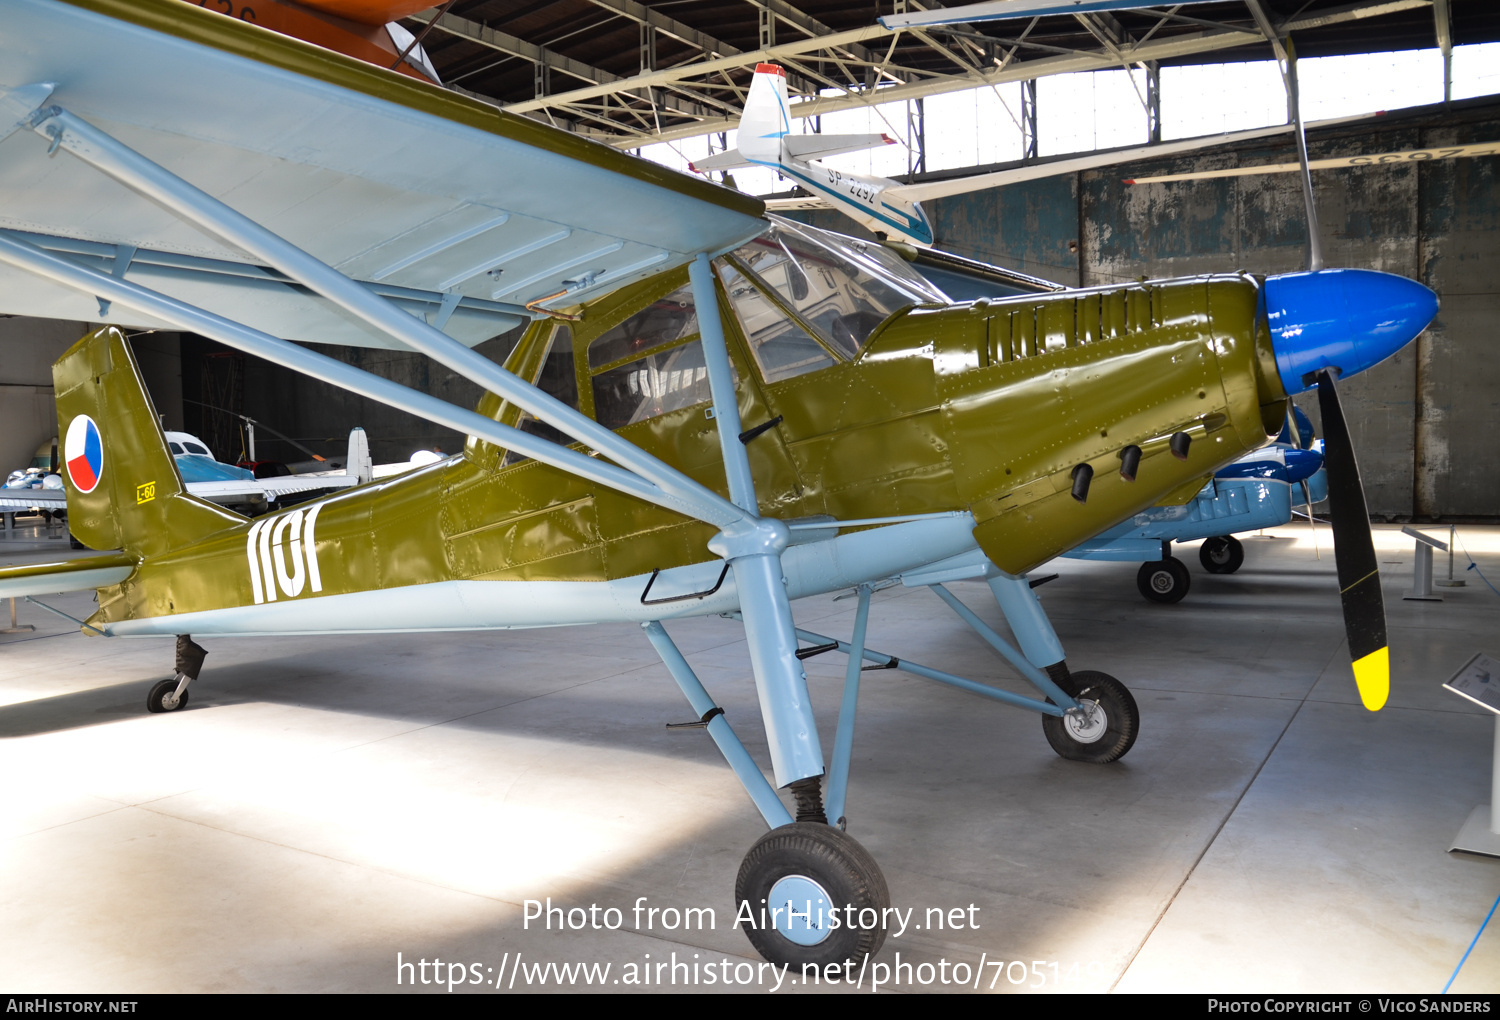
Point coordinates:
pixel 712 411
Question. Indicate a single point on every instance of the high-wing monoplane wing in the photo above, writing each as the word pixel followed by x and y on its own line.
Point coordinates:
pixel 948 187
pixel 229 493
pixel 1332 163
pixel 21 500
pixel 467 216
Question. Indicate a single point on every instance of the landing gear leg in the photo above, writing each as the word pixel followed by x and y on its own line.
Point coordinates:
pixel 1103 724
pixel 171 695
pixel 802 873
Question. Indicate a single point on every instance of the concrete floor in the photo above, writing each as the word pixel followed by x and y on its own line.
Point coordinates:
pixel 324 804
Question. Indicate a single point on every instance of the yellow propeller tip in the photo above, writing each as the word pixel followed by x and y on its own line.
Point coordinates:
pixel 1373 675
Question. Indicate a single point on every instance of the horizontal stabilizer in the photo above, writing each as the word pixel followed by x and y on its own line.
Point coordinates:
pixel 16 500
pixel 729 159
pixel 800 202
pixel 68 575
pixel 818 146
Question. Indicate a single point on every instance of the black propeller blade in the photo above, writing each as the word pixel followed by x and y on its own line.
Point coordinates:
pixel 1354 551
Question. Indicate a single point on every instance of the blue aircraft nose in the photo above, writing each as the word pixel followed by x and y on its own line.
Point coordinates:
pixel 1301 464
pixel 1350 319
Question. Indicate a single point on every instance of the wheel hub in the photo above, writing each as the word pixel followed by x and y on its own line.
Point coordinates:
pixel 1086 723
pixel 1163 581
pixel 802 909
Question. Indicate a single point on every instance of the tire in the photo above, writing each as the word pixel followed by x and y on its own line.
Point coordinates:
pixel 1077 739
pixel 1221 555
pixel 825 860
pixel 1163 580
pixel 155 701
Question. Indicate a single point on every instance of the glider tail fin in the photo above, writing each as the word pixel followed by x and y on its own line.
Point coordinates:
pixel 765 122
pixel 765 134
pixel 358 461
pixel 122 484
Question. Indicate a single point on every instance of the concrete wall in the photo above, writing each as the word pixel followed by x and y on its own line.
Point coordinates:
pixel 1424 422
pixel 1457 406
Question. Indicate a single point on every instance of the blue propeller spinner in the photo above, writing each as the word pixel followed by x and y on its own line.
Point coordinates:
pixel 1347 319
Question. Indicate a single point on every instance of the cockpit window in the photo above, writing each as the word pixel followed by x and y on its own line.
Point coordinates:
pixel 781 347
pixel 176 448
pixel 650 364
pixel 666 381
pixel 558 379
pixel 840 287
pixel 196 448
pixel 665 321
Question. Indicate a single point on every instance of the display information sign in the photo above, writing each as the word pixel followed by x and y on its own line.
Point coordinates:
pixel 1479 681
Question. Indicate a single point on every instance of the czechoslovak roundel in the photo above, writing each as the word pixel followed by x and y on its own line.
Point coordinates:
pixel 83 451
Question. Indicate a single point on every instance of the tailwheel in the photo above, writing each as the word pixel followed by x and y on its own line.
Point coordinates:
pixel 812 895
pixel 1164 580
pixel 1221 555
pixel 1104 725
pixel 164 696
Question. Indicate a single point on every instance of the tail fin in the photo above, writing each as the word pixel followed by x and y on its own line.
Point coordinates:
pixel 358 462
pixel 765 130
pixel 765 121
pixel 123 488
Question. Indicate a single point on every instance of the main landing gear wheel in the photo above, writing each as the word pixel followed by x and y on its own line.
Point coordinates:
pixel 1104 725
pixel 1222 555
pixel 161 700
pixel 1164 580
pixel 833 887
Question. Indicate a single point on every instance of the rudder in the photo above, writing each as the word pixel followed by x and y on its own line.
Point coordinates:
pixel 122 484
pixel 764 122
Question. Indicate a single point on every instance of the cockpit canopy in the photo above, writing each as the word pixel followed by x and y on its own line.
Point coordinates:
pixel 803 298
pixel 836 288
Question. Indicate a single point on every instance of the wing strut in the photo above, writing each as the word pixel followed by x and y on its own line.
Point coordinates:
pixel 753 547
pixel 24 255
pixel 122 163
pixel 750 543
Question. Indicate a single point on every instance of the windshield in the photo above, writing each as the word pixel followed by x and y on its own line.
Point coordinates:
pixel 781 348
pixel 841 287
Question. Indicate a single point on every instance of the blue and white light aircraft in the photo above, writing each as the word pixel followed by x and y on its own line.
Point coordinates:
pixel 893 209
pixel 766 140
pixel 1259 490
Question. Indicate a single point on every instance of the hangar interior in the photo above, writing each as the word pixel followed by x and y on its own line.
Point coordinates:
pixel 329 802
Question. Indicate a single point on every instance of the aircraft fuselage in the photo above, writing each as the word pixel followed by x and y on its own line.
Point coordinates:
pixel 983 408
